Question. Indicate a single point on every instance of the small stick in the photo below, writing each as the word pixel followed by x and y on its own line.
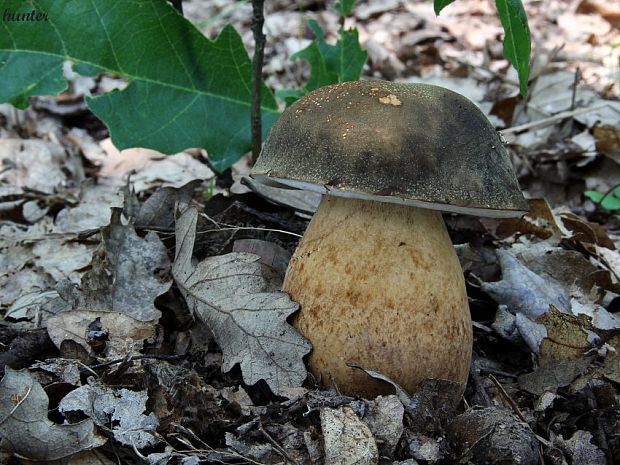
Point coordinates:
pixel 517 411
pixel 258 20
pixel 575 82
pixel 508 399
pixel 136 357
pixel 552 119
pixel 236 228
pixel 233 227
pixel 274 443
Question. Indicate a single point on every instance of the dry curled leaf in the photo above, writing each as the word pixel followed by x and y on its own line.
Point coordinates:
pixel 539 221
pixel 493 436
pixel 25 427
pixel 121 410
pixel 385 420
pixel 347 439
pixel 124 334
pixel 248 319
pixel 127 278
pixel 140 266
pixel 580 448
pixel 563 353
pixel 524 291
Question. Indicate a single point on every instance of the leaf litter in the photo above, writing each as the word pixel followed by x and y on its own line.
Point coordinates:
pixel 246 313
pixel 162 353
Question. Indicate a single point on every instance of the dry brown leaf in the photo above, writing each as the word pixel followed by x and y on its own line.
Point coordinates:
pixel 493 435
pixel 580 448
pixel 563 353
pixel 347 439
pixel 248 317
pixel 126 335
pixel 608 10
pixel 524 291
pixel 611 366
pixel 607 139
pixel 26 428
pixel 32 164
pixel 586 231
pixel 151 167
pixel 568 267
pixel 539 220
pixel 384 417
pixel 121 411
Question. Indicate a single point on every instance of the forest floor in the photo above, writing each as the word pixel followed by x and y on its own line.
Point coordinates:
pixel 147 380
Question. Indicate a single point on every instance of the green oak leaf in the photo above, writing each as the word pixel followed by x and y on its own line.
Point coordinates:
pixel 23 75
pixel 289 96
pixel 330 64
pixel 517 41
pixel 184 89
pixel 345 7
pixel 441 4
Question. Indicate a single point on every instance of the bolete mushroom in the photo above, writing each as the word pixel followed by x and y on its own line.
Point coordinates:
pixel 376 276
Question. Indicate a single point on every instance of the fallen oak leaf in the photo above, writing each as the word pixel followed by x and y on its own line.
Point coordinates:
pixel 126 274
pixel 432 404
pixel 125 334
pixel 564 353
pixel 346 438
pixel 231 295
pixel 120 410
pixel 539 221
pixel 585 231
pixel 524 291
pixel 26 429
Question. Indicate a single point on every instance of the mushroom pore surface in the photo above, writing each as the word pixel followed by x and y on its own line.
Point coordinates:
pixel 380 286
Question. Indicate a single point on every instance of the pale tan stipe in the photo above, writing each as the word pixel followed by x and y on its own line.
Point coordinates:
pixel 380 286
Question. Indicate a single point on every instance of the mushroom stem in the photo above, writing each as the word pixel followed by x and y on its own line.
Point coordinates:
pixel 380 286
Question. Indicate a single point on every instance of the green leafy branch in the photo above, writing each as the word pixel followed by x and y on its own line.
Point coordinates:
pixel 184 89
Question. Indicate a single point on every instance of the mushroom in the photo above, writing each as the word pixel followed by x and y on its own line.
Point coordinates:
pixel 376 276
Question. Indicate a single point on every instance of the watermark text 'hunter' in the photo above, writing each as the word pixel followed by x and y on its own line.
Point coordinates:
pixel 31 16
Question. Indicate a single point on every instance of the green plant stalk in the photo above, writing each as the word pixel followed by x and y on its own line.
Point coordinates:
pixel 610 192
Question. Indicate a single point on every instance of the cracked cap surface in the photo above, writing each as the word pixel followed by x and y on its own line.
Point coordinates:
pixel 413 144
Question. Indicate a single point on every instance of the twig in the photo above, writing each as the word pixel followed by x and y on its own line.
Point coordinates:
pixel 136 357
pixel 575 82
pixel 508 399
pixel 551 119
pixel 257 75
pixel 236 228
pixel 517 411
pixel 274 443
pixel 228 227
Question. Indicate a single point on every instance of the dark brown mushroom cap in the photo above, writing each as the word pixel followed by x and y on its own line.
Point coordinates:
pixel 414 144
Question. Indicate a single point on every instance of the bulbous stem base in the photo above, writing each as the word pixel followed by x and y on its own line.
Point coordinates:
pixel 380 286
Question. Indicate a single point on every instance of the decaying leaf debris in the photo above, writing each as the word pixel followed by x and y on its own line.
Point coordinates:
pixel 142 315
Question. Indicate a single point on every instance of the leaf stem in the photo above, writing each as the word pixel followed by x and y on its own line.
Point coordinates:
pixel 258 20
pixel 609 192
